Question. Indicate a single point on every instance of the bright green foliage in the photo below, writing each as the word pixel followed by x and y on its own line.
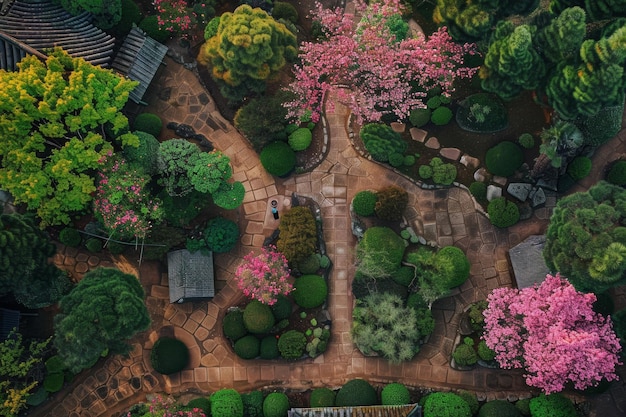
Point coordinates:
pixel 526 141
pixel 380 252
pixel 466 20
pixel 446 404
pixel 502 212
pixel 391 202
pixel 381 141
pixel 249 44
pixel 278 158
pixel 560 141
pixel 617 173
pixel 596 9
pixel 258 317
pixel 498 408
pixel 230 195
pixel 107 13
pixel 430 275
pixel 504 158
pixel 442 173
pixel 146 154
pixel 322 397
pixel 49 113
pixel 420 117
pixel 298 234
pixel 300 139
pixel 579 168
pixel 252 404
pixel 226 403
pixel 263 119
pixel 248 347
pixel 104 310
pixel 174 159
pixel 211 28
pixel 356 392
pixel 276 404
pixel 453 266
pixel 586 239
pixel 169 356
pixel 553 405
pixel 291 344
pixel 233 325
pixel 484 352
pixel 207 171
pixel 220 235
pixel 24 268
pixel 395 394
pixel 310 291
pixel 441 116
pixel 364 203
pixel 561 39
pixel 149 123
pixel 269 348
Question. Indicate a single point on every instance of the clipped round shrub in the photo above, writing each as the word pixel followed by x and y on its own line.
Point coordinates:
pixel 484 352
pixel 553 405
pixel 441 116
pixel 498 408
pixel 284 10
pixel 203 403
pixel 150 25
pixel 310 291
pixel 248 347
pixel 434 102
pixel 53 382
pixel 356 392
pixel 291 344
pixel 420 117
pixel 396 160
pixel 504 158
pixel 425 172
pixel 281 308
pixel 322 397
pixel 617 173
pixel 276 404
pixel 300 139
pixel 258 317
pixel 502 212
pixel 71 237
pixel 269 348
pixel 116 248
pixel 453 261
pixel 364 203
pixel 221 234
pixel 169 356
pixel 408 161
pixel 144 156
pixel 526 140
pixel 446 404
pixel 579 168
pixel 149 123
pixel 93 245
pixel 479 191
pixel 226 403
pixel 404 275
pixel 465 355
pixel 233 326
pixel 443 173
pixel 229 196
pixel 470 399
pixel 309 265
pixel 55 364
pixel 252 404
pixel 395 394
pixel 278 158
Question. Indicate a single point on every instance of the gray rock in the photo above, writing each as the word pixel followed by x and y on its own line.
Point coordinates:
pixel 184 131
pixel 519 190
pixel 452 154
pixel 501 181
pixel 480 175
pixel 172 125
pixel 537 197
pixel 433 143
pixel 470 161
pixel 548 184
pixel 418 135
pixel 493 191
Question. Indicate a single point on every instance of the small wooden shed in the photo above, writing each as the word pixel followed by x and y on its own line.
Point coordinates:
pixel 190 276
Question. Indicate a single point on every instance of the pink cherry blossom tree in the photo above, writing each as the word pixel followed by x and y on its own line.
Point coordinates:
pixel 553 333
pixel 264 276
pixel 369 69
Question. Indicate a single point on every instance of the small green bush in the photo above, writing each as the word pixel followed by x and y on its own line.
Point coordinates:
pixel 617 173
pixel 465 355
pixel 278 159
pixel 226 403
pixel 470 399
pixel 203 403
pixel 252 404
pixel 434 102
pixel 180 211
pixel 309 265
pixel 380 252
pixel 150 25
pixel 396 160
pixel 475 315
pixel 169 356
pixel 404 275
pixel 116 248
pixel 210 29
pixel 526 140
pixel 483 113
pixel 479 191
pixel 93 245
pixel 356 392
pixel 310 291
pixel 416 301
pixel 381 141
pixel 37 398
pixel 425 172
pixel 453 261
pixel 258 317
pixel 281 308
pixel 441 116
pixel 523 406
pixel 263 120
pixel 446 404
pixel 420 117
pixel 55 364
pixel 291 344
pixel 322 397
pixel 149 123
pixel 284 10
pixel 395 394
pixel 579 168
pixel 70 237
pixel 248 347
pixel 498 408
pixel 391 203
pixel 484 352
pixel 221 234
pixel 233 326
pixel 276 404
pixel 409 161
pixel 364 203
pixel 553 405
pixel 144 156
pixel 301 138
pixel 53 382
pixel 443 173
pixel 502 212
pixel 504 159
pixel 269 348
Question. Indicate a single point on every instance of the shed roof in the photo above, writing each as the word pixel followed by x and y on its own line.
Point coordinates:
pixel 190 275
pixel 527 261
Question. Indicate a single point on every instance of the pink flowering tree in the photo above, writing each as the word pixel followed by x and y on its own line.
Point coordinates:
pixel 264 276
pixel 122 202
pixel 174 15
pixel 552 332
pixel 369 68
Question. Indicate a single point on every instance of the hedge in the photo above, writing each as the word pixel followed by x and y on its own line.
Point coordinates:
pixel 248 347
pixel 322 397
pixel 226 403
pixel 278 159
pixel 310 291
pixel 395 394
pixel 356 392
pixel 276 404
pixel 258 317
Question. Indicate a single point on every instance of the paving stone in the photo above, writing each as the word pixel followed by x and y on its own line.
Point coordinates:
pixel 418 134
pixel 433 143
pixel 452 154
pixel 398 127
pixel 81 267
pixel 469 161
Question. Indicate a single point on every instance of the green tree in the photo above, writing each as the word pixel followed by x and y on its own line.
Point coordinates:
pixel 562 37
pixel 24 268
pixel 107 13
pixel 104 310
pixel 173 160
pixel 49 113
pixel 596 9
pixel 586 239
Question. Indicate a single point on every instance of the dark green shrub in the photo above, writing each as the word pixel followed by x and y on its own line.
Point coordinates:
pixel 310 291
pixel 93 245
pixel 364 203
pixel 602 126
pixel 395 394
pixel 284 10
pixel 465 354
pixel 221 234
pixel 248 347
pixel 455 265
pixel 203 403
pixel 498 408
pixel 298 234
pixel 263 120
pixel 115 248
pixel 180 211
pixel 446 404
pixel 309 265
pixel 420 117
pixel 381 141
pixel 617 173
pixel 356 392
pixel 484 352
pixel 434 102
pixel 258 317
pixel 441 116
pixel 230 195
pixel 391 203
pixel 70 237
pixel 233 326
pixel 150 25
pixel 425 172
pixel 380 252
pixel 146 154
pixel 479 191
pixel 226 403
pixel 149 123
pixel 37 398
pixel 553 405
pixel 169 356
pixel 281 308
pixel 504 158
pixel 53 382
pixel 167 236
pixel 210 29
pixel 526 140
pixel 300 139
pixel 322 397
pixel 579 168
pixel 502 212
pixel 523 406
pixel 269 348
pixel 416 301
pixel 55 364
pixel 278 158
pixel 252 404
pixel 276 404
pixel 470 399
pixel 291 344
pixel 409 160
pixel 404 275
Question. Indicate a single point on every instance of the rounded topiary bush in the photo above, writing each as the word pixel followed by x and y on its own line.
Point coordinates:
pixel 221 234
pixel 498 408
pixel 396 160
pixel 291 344
pixel 252 404
pixel 441 116
pixel 409 160
pixel 471 400
pixel 53 382
pixel 553 405
pixel 504 159
pixel 579 168
pixel 434 102
pixel 70 237
pixel 269 348
pixel 356 392
pixel 502 212
pixel 150 25
pixel 248 347
pixel 617 173
pixel 526 140
pixel 479 191
pixel 310 291
pixel 169 356
pixel 226 403
pixel 395 394
pixel 309 265
pixel 465 355
pixel 281 308
pixel 93 245
pixel 446 404
pixel 425 172
pixel 233 326
pixel 149 123
pixel 300 139
pixel 484 352
pixel 258 317
pixel 322 397
pixel 453 261
pixel 364 203
pixel 276 404
pixel 420 117
pixel 278 158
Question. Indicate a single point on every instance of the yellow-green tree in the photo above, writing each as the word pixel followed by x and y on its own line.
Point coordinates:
pixel 248 48
pixel 52 115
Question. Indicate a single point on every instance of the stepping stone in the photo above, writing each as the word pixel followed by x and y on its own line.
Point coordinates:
pixel 537 197
pixel 493 191
pixel 501 181
pixel 433 143
pixel 470 161
pixel 418 135
pixel 398 127
pixel 450 153
pixel 480 175
pixel 519 190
